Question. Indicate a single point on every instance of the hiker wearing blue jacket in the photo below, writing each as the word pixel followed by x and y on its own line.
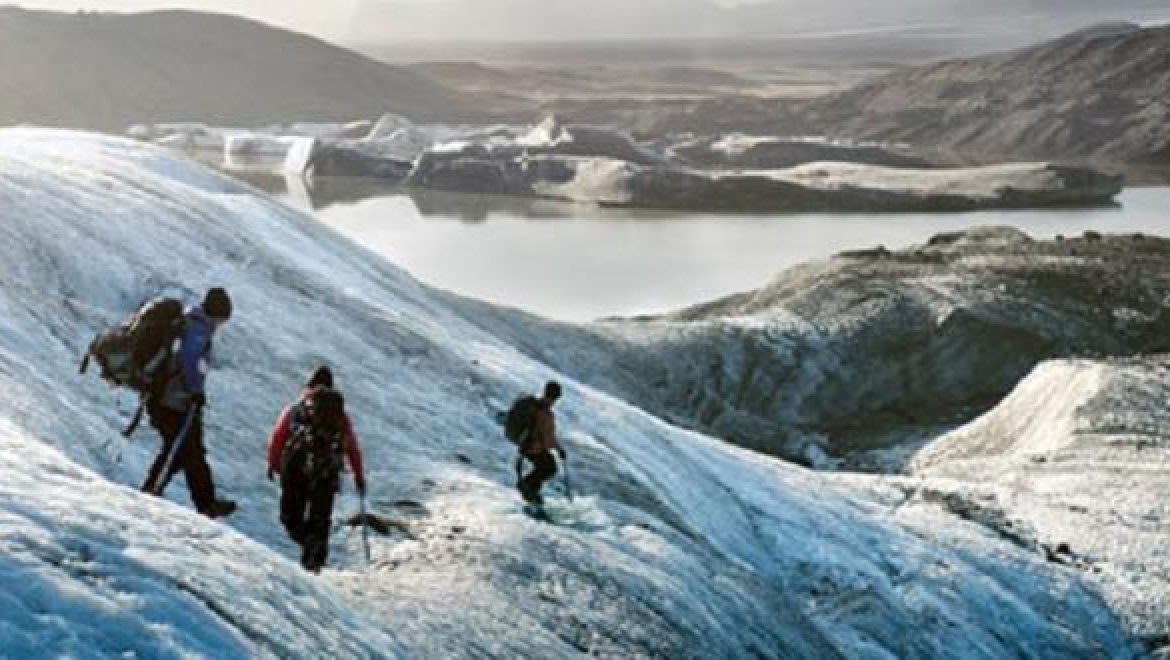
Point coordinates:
pixel 177 411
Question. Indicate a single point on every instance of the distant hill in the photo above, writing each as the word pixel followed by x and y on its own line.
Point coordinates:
pixel 1101 94
pixel 105 71
pixel 986 21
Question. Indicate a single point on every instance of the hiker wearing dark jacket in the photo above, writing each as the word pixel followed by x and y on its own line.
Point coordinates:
pixel 305 449
pixel 177 411
pixel 539 446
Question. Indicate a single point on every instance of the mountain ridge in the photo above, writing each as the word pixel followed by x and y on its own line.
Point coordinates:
pixel 107 71
pixel 1094 97
pixel 1098 94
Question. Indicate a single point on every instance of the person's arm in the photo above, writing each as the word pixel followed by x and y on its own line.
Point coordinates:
pixel 193 345
pixel 546 431
pixel 277 438
pixel 353 453
pixel 552 434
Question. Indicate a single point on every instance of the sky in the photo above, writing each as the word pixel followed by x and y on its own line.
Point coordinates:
pixel 545 20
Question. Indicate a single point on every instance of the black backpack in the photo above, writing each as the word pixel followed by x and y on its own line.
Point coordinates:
pixel 137 353
pixel 519 420
pixel 314 454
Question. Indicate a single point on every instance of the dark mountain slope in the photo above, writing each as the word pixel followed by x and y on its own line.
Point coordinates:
pixel 1101 94
pixel 106 71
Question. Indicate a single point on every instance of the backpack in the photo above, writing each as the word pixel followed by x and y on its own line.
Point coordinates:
pixel 314 453
pixel 519 420
pixel 137 352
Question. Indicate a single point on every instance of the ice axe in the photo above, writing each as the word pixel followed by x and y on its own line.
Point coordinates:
pixel 568 482
pixel 365 527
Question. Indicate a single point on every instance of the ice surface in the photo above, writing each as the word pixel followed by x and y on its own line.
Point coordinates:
pixel 1079 454
pixel 92 569
pixel 280 153
pixel 594 164
pixel 689 547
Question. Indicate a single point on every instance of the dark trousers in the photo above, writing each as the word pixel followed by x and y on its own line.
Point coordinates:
pixel 544 467
pixel 191 457
pixel 306 511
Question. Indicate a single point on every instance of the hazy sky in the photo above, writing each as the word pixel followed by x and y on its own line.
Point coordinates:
pixel 593 19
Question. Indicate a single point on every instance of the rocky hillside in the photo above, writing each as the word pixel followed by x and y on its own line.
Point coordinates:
pixel 873 345
pixel 1097 96
pixel 1102 94
pixel 108 71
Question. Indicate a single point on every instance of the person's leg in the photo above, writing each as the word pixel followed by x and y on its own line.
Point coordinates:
pixel 167 422
pixel 317 528
pixel 193 460
pixel 293 500
pixel 544 467
pixel 527 482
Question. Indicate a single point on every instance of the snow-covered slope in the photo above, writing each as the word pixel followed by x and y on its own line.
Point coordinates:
pixel 1077 459
pixel 681 545
pixel 91 569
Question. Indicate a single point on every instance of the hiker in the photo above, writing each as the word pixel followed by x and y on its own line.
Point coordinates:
pixel 305 449
pixel 539 444
pixel 177 410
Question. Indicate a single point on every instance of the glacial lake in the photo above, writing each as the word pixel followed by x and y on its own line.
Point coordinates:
pixel 576 263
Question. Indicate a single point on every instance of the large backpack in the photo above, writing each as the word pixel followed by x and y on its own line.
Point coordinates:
pixel 519 420
pixel 136 353
pixel 314 453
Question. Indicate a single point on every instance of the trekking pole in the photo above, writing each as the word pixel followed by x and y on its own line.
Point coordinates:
pixel 161 479
pixel 365 527
pixel 137 419
pixel 568 482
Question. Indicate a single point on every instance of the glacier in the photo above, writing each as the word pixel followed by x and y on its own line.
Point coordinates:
pixel 685 547
pixel 598 165
pixel 1076 459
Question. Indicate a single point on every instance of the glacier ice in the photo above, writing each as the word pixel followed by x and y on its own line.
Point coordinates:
pixel 701 549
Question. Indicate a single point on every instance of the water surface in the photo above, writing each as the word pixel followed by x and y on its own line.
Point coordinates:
pixel 577 263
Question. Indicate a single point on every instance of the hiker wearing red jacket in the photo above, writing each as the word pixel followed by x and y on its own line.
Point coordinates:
pixel 306 449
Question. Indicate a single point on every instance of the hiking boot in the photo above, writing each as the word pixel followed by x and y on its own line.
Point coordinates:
pixel 220 508
pixel 536 511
